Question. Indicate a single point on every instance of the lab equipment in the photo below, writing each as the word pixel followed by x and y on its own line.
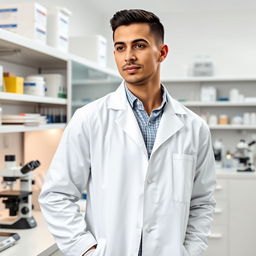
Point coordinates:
pixel 14 84
pixel 244 156
pixel 34 85
pixel 203 66
pixel 218 149
pixel 7 240
pixel 246 118
pixel 213 120
pixel 237 120
pixel 55 85
pixel 208 94
pixel 223 119
pixel 19 202
pixel 27 19
pixel 58 28
pixel 234 95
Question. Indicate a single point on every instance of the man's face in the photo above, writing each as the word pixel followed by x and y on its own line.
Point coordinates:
pixel 137 53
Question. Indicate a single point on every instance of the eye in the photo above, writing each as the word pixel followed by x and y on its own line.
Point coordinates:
pixel 140 46
pixel 119 48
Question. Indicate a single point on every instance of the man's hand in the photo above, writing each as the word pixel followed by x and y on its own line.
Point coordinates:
pixel 93 247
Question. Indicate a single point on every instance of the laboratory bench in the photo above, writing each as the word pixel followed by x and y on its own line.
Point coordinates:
pixel 33 242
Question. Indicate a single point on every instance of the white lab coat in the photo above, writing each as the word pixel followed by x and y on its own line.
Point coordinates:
pixel 169 196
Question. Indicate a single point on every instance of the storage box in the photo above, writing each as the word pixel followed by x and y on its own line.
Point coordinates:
pixel 58 28
pixel 92 47
pixel 14 84
pixel 28 19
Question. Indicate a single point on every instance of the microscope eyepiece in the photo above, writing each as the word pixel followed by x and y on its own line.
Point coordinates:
pixel 30 166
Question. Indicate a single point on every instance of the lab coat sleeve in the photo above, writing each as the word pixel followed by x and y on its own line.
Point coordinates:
pixel 67 177
pixel 202 201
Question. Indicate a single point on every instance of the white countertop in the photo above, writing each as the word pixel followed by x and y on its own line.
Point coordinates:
pixel 32 241
pixel 233 174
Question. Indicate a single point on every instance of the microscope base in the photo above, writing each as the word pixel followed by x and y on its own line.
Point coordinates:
pixel 22 223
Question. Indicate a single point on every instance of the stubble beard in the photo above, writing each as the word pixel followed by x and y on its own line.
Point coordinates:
pixel 137 82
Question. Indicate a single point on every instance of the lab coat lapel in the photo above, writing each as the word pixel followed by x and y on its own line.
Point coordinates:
pixel 126 119
pixel 169 125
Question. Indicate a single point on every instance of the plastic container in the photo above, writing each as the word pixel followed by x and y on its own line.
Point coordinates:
pixel 34 85
pixel 213 120
pixel 223 119
pixel 14 84
pixel 28 19
pixel 234 95
pixel 237 120
pixel 208 94
pixel 58 28
pixel 246 118
pixel 55 85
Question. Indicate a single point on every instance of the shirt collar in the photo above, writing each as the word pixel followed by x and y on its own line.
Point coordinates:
pixel 136 103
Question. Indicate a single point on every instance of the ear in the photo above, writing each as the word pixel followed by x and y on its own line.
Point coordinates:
pixel 163 52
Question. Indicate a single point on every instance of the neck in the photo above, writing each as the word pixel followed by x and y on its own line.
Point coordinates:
pixel 148 93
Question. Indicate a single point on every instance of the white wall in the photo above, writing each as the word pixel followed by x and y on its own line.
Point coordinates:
pixel 228 37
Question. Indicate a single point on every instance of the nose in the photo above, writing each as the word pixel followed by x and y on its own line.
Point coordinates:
pixel 130 56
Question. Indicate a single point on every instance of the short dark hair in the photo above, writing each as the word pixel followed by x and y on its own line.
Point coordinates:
pixel 128 17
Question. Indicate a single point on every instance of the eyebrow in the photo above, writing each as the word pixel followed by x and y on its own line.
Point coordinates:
pixel 134 41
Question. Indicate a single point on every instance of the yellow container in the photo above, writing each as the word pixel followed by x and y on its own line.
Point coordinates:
pixel 14 84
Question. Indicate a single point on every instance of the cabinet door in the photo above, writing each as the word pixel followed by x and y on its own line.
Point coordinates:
pixel 218 241
pixel 242 217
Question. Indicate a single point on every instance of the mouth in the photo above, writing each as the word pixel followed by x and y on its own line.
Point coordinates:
pixel 131 69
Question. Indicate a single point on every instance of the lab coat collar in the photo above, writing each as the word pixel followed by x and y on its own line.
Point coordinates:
pixel 118 101
pixel 170 123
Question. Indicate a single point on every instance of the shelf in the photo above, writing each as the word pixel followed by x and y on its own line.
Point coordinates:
pixel 95 82
pixel 207 79
pixel 233 127
pixel 107 72
pixel 217 104
pixel 22 50
pixel 5 96
pixel 23 128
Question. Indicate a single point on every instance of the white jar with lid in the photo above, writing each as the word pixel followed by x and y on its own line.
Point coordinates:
pixel 34 85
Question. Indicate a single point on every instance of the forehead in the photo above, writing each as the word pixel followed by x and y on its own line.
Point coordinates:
pixel 132 32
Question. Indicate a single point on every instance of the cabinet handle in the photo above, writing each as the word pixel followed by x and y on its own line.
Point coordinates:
pixel 219 187
pixel 218 210
pixel 215 235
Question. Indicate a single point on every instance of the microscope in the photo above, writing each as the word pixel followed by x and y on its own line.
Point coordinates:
pixel 19 202
pixel 244 156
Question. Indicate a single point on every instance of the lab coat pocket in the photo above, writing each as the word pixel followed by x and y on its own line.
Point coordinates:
pixel 100 249
pixel 182 176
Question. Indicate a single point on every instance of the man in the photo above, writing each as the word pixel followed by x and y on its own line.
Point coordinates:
pixel 145 160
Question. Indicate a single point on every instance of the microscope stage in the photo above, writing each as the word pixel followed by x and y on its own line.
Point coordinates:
pixel 14 193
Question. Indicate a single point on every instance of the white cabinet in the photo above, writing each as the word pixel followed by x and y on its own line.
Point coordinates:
pixel 233 228
pixel 242 217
